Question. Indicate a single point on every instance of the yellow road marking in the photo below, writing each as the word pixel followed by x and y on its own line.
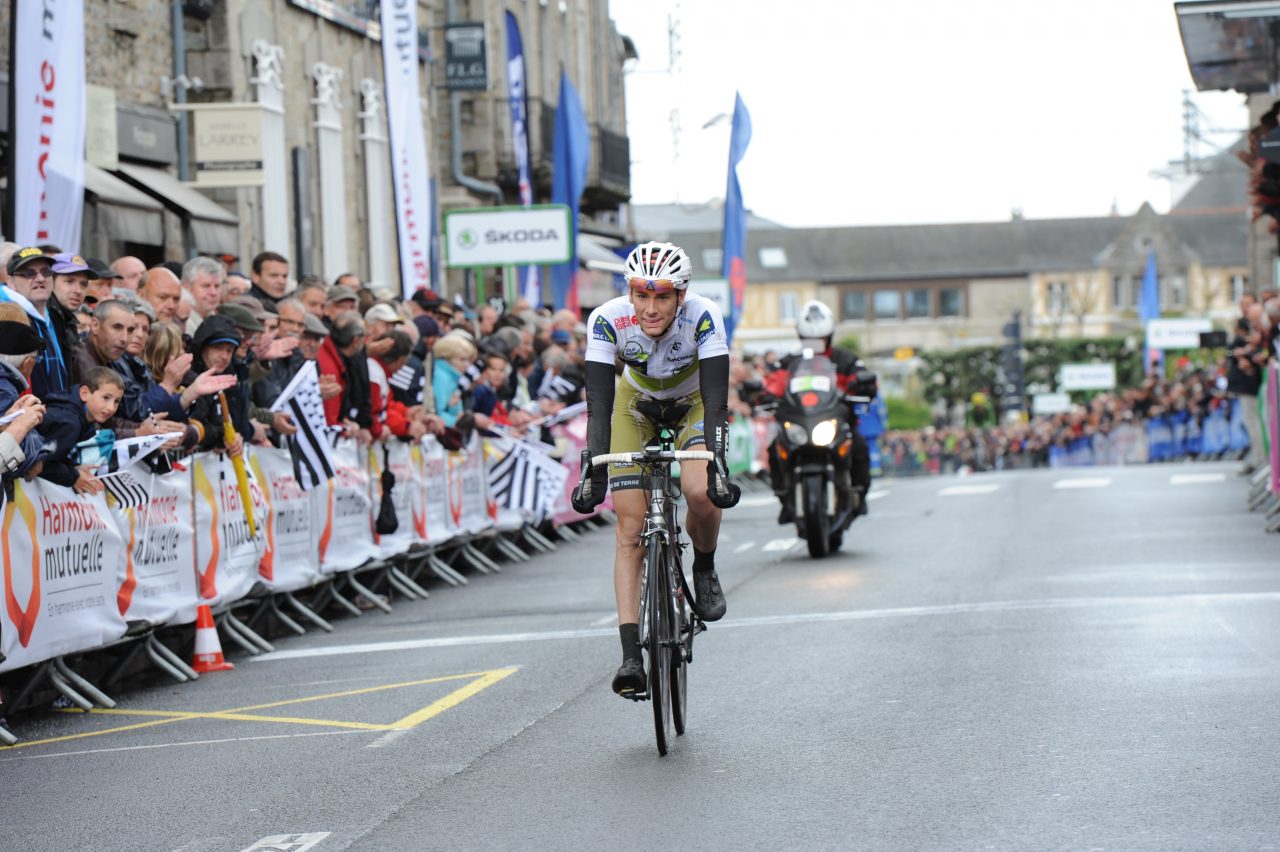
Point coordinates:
pixel 479 681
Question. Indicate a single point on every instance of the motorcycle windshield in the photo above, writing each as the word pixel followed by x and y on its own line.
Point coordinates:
pixel 813 384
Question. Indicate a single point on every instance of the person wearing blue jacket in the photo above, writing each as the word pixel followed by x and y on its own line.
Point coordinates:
pixel 454 353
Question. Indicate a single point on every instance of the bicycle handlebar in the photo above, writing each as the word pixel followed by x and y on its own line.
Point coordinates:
pixel 646 457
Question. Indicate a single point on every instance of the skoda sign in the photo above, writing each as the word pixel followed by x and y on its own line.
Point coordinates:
pixel 507 236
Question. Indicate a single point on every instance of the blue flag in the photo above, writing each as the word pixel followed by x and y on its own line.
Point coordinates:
pixel 569 157
pixel 531 287
pixel 1149 309
pixel 735 218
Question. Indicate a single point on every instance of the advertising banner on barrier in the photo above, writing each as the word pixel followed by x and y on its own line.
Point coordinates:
pixel 436 494
pixel 61 562
pixel 741 449
pixel 291 550
pixel 157 573
pixel 572 437
pixel 406 497
pixel 227 556
pixel 468 490
pixel 342 521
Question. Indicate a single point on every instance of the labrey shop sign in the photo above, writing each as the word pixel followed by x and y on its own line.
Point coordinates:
pixel 507 236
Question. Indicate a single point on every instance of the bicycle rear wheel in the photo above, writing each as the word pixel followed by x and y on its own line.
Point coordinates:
pixel 658 595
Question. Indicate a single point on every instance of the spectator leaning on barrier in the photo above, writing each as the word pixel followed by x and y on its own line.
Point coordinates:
pixel 312 294
pixel 454 353
pixel 160 288
pixel 20 445
pixel 270 277
pixel 202 278
pixel 131 271
pixel 75 416
pixel 213 347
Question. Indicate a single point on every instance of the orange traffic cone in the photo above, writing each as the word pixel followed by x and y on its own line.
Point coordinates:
pixel 208 649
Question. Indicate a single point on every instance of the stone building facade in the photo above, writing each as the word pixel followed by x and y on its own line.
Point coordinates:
pixel 316 67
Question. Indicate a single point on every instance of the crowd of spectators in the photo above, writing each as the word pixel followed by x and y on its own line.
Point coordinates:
pixel 92 352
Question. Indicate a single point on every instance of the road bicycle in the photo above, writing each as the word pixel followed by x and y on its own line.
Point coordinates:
pixel 668 621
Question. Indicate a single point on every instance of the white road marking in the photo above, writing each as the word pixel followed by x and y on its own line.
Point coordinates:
pixel 611 618
pixel 744 547
pixel 1082 482
pixel 387 739
pixel 174 745
pixel 757 500
pixel 289 842
pixel 876 495
pixel 1196 478
pixel 977 607
pixel 966 490
pixel 780 544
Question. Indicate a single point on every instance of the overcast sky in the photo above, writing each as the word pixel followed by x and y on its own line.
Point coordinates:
pixel 889 111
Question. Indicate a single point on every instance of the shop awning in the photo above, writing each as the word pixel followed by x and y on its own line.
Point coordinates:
pixel 594 255
pixel 1230 44
pixel 124 213
pixel 213 227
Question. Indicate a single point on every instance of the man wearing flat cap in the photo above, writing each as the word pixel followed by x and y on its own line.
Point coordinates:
pixel 30 286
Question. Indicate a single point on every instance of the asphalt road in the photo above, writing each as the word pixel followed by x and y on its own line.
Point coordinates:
pixel 998 661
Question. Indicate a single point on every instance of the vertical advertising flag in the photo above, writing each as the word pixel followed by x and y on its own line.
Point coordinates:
pixel 1149 309
pixel 47 165
pixel 735 217
pixel 570 154
pixel 531 286
pixel 409 167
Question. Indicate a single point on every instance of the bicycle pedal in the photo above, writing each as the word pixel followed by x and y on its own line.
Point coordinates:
pixel 636 696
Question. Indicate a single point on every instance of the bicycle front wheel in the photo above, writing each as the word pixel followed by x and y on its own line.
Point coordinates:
pixel 658 598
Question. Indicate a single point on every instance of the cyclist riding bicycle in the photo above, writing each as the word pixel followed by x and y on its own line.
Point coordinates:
pixel 675 367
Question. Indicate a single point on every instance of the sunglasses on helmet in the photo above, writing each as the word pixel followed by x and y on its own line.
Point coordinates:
pixel 662 285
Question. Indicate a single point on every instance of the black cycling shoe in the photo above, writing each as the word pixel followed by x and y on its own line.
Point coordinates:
pixel 786 515
pixel 630 679
pixel 710 604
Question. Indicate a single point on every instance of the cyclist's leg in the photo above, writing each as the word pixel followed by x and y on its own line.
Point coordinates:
pixel 702 520
pixel 628 434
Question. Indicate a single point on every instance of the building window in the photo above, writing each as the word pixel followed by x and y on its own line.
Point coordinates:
pixel 1237 287
pixel 713 259
pixel 888 304
pixel 917 304
pixel 1177 290
pixel 788 307
pixel 1057 300
pixel 854 305
pixel 1121 295
pixel 950 302
pixel 773 258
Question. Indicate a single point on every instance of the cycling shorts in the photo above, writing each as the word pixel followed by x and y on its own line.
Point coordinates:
pixel 632 429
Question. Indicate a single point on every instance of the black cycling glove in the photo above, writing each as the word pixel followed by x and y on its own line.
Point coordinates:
pixel 591 488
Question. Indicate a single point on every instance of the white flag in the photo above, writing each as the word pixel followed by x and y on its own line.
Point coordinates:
pixel 126 452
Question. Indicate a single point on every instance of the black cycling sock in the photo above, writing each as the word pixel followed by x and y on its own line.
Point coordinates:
pixel 704 561
pixel 630 634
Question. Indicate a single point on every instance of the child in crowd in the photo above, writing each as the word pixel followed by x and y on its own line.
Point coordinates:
pixel 73 417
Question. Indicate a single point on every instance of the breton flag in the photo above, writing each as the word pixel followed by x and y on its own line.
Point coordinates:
pixel 528 480
pixel 309 447
pixel 555 386
pixel 126 489
pixel 127 452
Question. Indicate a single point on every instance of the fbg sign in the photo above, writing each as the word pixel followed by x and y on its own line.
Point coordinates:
pixel 1087 377
pixel 464 59
pixel 507 236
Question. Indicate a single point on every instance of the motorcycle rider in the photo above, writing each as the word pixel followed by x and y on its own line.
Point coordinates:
pixel 816 326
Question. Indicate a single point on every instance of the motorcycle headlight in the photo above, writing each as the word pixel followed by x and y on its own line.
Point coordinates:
pixel 796 434
pixel 824 433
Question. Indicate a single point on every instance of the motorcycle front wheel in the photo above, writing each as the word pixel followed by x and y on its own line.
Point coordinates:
pixel 814 494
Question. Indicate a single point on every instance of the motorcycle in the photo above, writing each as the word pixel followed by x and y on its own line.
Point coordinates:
pixel 815 437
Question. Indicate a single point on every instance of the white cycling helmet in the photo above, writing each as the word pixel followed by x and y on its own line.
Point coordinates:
pixel 654 262
pixel 816 321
